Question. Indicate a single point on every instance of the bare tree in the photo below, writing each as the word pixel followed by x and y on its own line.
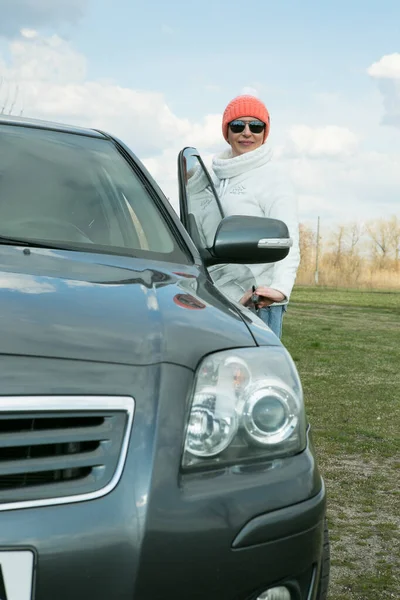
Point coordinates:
pixel 356 254
pixel 14 100
pixel 336 243
pixel 355 234
pixel 394 226
pixel 307 245
pixel 10 97
pixel 381 236
pixel 6 97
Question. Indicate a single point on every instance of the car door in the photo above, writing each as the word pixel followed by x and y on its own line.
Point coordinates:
pixel 201 213
pixel 200 208
pixel 228 245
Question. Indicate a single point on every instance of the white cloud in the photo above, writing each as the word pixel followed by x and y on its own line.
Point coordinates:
pixel 308 176
pixel 337 175
pixel 29 33
pixel 365 185
pixel 388 67
pixel 36 60
pixel 317 142
pixel 312 203
pixel 334 171
pixel 48 80
pixel 250 91
pixel 164 169
pixel 28 284
pixel 386 72
pixel 206 134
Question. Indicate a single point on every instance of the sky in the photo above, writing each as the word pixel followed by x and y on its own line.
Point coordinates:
pixel 159 74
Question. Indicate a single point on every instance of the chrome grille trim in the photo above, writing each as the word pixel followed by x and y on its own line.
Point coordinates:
pixel 66 404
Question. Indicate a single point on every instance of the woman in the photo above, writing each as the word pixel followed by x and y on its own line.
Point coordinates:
pixel 249 183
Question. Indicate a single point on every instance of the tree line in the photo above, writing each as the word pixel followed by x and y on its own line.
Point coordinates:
pixel 358 255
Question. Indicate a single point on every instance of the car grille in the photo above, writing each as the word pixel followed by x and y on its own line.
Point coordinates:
pixel 55 450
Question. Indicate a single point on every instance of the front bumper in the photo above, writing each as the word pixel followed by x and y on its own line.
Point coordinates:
pixel 225 534
pixel 283 547
pixel 89 551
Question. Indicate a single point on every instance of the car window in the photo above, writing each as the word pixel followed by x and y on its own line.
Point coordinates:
pixel 79 190
pixel 200 207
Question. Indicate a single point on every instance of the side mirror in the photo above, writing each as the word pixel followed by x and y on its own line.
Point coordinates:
pixel 245 240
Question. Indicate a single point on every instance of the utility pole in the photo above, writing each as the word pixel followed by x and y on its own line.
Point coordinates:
pixel 316 276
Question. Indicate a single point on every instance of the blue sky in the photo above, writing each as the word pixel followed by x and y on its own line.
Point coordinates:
pixel 285 44
pixel 159 74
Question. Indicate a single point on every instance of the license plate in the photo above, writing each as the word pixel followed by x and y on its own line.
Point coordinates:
pixel 16 574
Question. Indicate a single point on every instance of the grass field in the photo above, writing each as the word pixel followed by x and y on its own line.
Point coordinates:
pixel 346 345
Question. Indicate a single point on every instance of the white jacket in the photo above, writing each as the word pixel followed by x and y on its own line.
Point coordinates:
pixel 249 184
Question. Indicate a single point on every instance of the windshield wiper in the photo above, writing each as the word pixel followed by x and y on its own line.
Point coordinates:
pixel 15 241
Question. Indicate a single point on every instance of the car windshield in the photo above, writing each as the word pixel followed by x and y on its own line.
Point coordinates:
pixel 79 192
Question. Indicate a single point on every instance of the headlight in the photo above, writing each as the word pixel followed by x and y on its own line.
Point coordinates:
pixel 247 404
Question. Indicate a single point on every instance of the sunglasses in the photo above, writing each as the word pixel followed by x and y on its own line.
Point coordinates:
pixel 238 126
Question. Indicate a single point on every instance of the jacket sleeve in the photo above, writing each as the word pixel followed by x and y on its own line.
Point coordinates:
pixel 280 202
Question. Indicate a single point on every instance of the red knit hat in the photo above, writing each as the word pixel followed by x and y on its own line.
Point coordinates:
pixel 245 106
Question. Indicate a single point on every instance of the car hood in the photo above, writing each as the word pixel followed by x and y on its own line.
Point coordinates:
pixel 122 310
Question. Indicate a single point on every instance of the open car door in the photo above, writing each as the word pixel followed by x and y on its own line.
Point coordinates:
pixel 200 208
pixel 219 239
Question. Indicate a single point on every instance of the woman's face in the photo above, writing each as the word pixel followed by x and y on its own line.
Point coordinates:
pixel 246 140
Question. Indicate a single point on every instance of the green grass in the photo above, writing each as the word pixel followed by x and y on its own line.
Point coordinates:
pixel 346 345
pixel 386 300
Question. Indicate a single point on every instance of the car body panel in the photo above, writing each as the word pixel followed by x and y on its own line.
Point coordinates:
pixel 50 125
pixel 127 311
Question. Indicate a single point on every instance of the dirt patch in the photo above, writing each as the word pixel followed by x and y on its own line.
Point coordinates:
pixel 364 517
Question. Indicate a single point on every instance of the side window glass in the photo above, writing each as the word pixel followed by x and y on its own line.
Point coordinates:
pixel 200 208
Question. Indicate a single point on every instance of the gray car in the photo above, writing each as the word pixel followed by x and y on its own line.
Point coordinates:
pixel 153 437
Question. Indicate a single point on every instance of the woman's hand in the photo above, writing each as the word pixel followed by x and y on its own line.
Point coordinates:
pixel 245 299
pixel 268 296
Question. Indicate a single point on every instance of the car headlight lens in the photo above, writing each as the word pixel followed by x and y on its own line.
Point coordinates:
pixel 211 428
pixel 247 404
pixel 269 414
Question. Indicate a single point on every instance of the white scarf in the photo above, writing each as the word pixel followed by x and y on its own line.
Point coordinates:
pixel 226 166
